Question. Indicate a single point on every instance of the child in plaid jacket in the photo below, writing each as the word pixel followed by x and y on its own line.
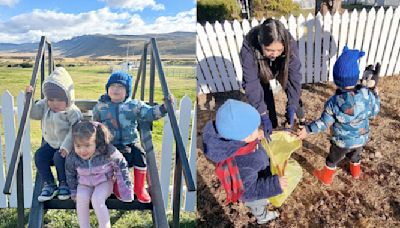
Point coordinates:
pixel 242 165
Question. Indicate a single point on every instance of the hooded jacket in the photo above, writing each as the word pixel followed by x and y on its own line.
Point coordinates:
pixel 122 118
pixel 348 111
pixel 254 169
pixel 101 167
pixel 57 126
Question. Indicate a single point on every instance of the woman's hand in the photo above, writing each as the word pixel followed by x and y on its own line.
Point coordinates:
pixel 267 126
pixel 302 134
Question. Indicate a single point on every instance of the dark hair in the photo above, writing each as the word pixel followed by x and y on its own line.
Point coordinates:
pixel 270 31
pixel 85 129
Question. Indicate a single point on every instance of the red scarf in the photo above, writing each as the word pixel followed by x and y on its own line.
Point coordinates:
pixel 228 173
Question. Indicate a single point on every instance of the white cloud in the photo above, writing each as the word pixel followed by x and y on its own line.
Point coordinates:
pixel 8 3
pixel 29 27
pixel 134 5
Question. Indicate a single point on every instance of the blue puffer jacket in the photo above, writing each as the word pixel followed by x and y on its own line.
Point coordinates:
pixel 348 111
pixel 122 118
pixel 254 167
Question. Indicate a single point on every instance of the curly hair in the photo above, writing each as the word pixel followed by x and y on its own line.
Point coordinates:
pixel 85 129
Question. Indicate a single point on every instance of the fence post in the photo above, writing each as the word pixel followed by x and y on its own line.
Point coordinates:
pixel 3 198
pixel 27 154
pixel 9 135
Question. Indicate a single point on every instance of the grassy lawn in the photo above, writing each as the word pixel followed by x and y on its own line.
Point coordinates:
pixel 89 83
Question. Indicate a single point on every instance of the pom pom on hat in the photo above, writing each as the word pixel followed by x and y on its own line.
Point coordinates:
pixel 346 70
pixel 236 120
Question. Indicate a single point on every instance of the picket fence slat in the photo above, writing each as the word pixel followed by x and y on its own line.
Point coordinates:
pixel 362 18
pixel 375 38
pixel 284 22
pixel 238 34
pixel 391 68
pixel 226 56
pixel 344 24
pixel 9 136
pixel 301 25
pixel 352 29
pixel 202 85
pixel 3 198
pixel 317 51
pixel 246 26
pixel 166 158
pixel 190 198
pixel 233 50
pixel 216 53
pixel 367 38
pixel 254 22
pixel 384 35
pixel 310 48
pixel 293 27
pixel 334 43
pixel 185 108
pixel 27 153
pixel 327 24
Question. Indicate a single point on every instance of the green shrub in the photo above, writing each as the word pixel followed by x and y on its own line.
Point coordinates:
pixel 217 10
pixel 26 65
pixel 261 7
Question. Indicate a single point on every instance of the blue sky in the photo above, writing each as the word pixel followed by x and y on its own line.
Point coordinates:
pixel 26 20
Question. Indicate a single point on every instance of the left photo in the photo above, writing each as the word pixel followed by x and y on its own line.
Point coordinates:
pixel 98 113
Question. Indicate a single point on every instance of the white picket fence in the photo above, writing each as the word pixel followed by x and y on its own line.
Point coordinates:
pixel 320 41
pixel 187 124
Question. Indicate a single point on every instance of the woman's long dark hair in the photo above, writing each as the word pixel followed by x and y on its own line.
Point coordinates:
pixel 270 31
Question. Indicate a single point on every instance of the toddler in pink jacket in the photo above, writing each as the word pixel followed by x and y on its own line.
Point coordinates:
pixel 92 168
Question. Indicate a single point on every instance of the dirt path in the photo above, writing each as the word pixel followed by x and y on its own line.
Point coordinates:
pixel 372 201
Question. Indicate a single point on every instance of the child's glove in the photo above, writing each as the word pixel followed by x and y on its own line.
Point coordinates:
pixel 370 76
pixel 267 126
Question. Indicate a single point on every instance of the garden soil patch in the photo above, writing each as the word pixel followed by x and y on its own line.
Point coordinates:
pixel 371 201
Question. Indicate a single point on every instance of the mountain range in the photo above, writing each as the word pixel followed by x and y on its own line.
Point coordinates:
pixel 176 44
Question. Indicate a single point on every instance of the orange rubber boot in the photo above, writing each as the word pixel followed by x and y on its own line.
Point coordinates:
pixel 139 189
pixel 355 170
pixel 325 175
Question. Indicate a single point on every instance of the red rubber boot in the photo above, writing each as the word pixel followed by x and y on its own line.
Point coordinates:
pixel 140 191
pixel 325 175
pixel 355 170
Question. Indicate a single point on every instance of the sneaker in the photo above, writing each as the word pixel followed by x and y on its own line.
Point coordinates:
pixel 259 210
pixel 266 216
pixel 49 191
pixel 63 191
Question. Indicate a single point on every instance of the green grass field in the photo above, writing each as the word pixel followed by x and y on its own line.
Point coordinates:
pixel 89 81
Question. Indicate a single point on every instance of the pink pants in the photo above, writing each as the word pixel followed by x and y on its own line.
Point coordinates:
pixel 98 196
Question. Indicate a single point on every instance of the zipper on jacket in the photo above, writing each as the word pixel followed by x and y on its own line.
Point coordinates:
pixel 90 170
pixel 119 125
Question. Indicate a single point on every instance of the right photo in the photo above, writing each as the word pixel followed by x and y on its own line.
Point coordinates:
pixel 298 113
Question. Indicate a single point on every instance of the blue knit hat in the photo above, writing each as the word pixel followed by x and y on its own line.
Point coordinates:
pixel 346 70
pixel 122 78
pixel 236 120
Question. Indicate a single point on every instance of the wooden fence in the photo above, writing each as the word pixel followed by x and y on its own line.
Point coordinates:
pixel 11 114
pixel 320 41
